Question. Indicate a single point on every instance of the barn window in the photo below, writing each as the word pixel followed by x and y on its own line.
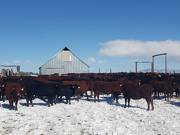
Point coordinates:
pixel 66 56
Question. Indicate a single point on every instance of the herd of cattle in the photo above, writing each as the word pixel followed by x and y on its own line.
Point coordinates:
pixel 51 88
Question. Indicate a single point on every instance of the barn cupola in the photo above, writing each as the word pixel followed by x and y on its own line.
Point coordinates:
pixel 66 49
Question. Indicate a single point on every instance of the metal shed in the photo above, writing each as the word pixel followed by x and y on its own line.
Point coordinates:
pixel 64 62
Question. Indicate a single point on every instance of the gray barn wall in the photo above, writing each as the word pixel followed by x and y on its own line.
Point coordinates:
pixel 64 62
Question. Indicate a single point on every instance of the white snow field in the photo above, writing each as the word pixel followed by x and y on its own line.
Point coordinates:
pixel 86 117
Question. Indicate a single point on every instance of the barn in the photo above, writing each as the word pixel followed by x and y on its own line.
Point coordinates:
pixel 64 62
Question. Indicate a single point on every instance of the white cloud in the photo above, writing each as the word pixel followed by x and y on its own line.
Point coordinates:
pixel 140 48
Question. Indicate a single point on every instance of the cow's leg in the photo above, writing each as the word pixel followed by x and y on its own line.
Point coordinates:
pixel 10 104
pixel 152 105
pixel 91 93
pixel 27 100
pixel 165 96
pixel 125 102
pixel 16 103
pixel 87 96
pixel 51 100
pixel 31 101
pixel 48 102
pixel 78 97
pixel 177 93
pixel 54 99
pixel 94 96
pixel 115 97
pixel 3 96
pixel 69 100
pixel 129 102
pixel 98 97
pixel 148 103
pixel 169 96
pixel 60 99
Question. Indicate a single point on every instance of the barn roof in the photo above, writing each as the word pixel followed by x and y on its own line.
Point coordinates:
pixel 66 49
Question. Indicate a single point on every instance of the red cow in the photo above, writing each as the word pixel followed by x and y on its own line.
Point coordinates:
pixel 13 91
pixel 107 87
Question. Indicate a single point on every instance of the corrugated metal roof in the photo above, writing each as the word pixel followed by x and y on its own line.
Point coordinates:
pixel 66 49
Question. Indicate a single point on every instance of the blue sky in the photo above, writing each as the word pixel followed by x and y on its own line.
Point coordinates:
pixel 33 31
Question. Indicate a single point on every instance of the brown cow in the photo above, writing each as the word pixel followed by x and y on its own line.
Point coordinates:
pixel 134 90
pixel 13 91
pixel 107 87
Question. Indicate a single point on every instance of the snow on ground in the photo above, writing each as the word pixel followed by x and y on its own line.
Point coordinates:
pixel 86 117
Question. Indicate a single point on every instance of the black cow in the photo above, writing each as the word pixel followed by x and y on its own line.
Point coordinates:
pixel 38 89
pixel 68 91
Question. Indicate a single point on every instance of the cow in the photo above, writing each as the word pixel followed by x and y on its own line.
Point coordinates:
pixel 165 87
pixel 38 89
pixel 85 86
pixel 13 91
pixel 68 91
pixel 107 87
pixel 134 90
